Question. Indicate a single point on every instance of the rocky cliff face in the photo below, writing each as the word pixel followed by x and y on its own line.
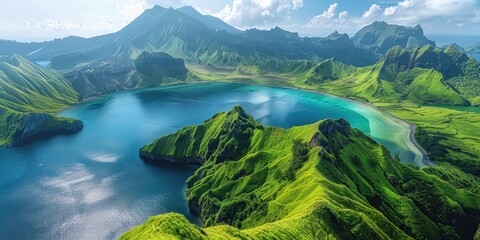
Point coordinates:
pixel 42 125
pixel 103 77
pixel 379 37
pixel 118 73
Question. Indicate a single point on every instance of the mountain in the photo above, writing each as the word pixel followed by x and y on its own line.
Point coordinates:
pixel 474 49
pixel 102 77
pixel 457 69
pixel 328 70
pixel 380 36
pixel 341 48
pixel 210 21
pixel 153 69
pixel 425 75
pixel 455 46
pixel 116 73
pixel 29 96
pixel 186 34
pixel 318 181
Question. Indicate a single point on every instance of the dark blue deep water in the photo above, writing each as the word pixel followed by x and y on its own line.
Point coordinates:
pixel 92 185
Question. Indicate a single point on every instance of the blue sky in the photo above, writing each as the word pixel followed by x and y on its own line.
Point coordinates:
pixel 47 19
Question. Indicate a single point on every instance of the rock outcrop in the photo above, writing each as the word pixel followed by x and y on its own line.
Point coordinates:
pixel 380 36
pixel 41 125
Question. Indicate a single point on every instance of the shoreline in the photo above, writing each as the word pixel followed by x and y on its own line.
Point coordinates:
pixel 410 126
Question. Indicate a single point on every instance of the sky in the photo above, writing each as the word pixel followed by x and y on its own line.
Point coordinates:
pixel 40 20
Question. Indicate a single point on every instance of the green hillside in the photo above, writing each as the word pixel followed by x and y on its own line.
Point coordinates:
pixel 319 181
pixel 413 76
pixel 29 95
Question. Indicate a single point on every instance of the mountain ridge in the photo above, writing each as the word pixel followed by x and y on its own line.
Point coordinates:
pixel 30 96
pixel 323 174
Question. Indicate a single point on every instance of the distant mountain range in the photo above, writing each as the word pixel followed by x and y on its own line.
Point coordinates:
pixel 197 38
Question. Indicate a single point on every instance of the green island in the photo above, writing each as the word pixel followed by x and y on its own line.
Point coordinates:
pixel 319 181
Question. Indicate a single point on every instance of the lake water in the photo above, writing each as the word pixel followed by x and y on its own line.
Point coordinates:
pixel 92 185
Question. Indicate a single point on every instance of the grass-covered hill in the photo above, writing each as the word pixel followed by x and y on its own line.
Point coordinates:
pixel 457 69
pixel 117 73
pixel 320 181
pixel 423 75
pixel 29 96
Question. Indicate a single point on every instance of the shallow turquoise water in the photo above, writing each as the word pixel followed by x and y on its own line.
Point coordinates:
pixel 93 185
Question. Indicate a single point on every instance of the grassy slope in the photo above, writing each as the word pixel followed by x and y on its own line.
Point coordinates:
pixel 27 88
pixel 344 185
pixel 416 85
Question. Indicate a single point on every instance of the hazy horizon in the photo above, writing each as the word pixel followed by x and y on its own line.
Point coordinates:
pixel 46 20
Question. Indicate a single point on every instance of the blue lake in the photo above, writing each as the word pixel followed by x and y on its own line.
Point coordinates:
pixel 93 185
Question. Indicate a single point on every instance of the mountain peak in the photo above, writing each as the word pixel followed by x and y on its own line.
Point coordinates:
pixel 379 23
pixel 337 35
pixel 16 60
pixel 237 109
pixel 188 9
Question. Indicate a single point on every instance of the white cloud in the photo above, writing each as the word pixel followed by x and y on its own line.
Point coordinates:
pixel 390 10
pixel 297 4
pixel 418 11
pixel 250 13
pixel 328 19
pixel 435 15
pixel 373 11
pixel 132 8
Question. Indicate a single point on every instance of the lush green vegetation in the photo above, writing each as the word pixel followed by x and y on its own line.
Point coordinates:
pixel 447 135
pixel 344 185
pixel 398 83
pixel 27 90
pixel 322 181
pixel 394 79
